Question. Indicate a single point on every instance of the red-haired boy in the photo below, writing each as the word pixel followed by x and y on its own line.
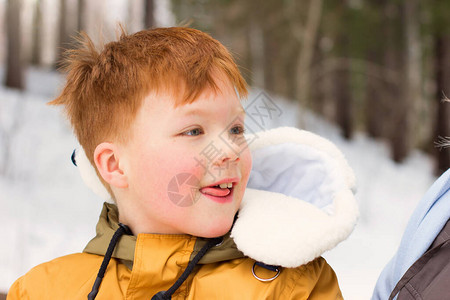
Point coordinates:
pixel 159 115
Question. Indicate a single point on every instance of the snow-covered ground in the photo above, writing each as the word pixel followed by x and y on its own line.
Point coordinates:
pixel 48 212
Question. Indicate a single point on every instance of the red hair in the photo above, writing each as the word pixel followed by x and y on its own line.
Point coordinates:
pixel 105 89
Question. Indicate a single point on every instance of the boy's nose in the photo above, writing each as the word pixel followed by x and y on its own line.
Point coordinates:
pixel 227 158
pixel 230 151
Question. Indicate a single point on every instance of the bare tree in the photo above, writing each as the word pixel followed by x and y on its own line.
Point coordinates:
pixel 14 68
pixel 402 132
pixel 149 18
pixel 343 94
pixel 308 41
pixel 344 103
pixel 37 23
pixel 256 56
pixel 397 112
pixel 442 129
pixel 373 105
pixel 377 95
pixel 81 15
pixel 64 36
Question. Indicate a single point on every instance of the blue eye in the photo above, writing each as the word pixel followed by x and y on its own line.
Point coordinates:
pixel 193 132
pixel 237 130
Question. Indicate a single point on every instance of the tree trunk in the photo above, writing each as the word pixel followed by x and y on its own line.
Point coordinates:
pixel 398 59
pixel 149 18
pixel 413 88
pixel 318 86
pixel 270 55
pixel 257 55
pixel 390 90
pixel 64 36
pixel 14 68
pixel 344 116
pixel 307 49
pixel 36 45
pixel 373 106
pixel 81 16
pixel 376 93
pixel 342 76
pixel 403 139
pixel 442 50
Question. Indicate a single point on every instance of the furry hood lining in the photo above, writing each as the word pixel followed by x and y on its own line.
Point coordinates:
pixel 299 201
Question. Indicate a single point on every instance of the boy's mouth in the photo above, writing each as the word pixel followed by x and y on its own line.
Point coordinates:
pixel 220 189
pixel 216 191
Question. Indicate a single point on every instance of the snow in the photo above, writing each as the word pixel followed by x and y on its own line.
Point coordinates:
pixel 48 212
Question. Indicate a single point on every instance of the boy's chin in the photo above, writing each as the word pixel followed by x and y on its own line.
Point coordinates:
pixel 216 231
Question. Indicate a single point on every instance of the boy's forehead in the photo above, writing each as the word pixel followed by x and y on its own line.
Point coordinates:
pixel 209 99
pixel 169 100
pixel 199 111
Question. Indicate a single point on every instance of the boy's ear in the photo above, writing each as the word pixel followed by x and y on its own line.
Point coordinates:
pixel 107 163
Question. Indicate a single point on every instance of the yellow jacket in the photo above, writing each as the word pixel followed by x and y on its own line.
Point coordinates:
pixel 273 228
pixel 158 261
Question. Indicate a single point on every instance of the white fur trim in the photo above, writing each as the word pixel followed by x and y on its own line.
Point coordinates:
pixel 288 231
pixel 89 175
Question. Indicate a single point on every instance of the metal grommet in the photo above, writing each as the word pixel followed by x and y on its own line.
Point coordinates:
pixel 265 279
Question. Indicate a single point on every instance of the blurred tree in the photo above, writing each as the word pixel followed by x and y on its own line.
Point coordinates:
pixel 376 99
pixel 441 35
pixel 36 35
pixel 68 26
pixel 397 113
pixel 81 15
pixel 64 32
pixel 269 19
pixel 308 39
pixel 343 94
pixel 442 91
pixel 402 139
pixel 149 19
pixel 254 56
pixel 14 65
pixel 325 63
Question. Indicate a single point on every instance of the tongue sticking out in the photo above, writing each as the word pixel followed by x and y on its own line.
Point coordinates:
pixel 215 191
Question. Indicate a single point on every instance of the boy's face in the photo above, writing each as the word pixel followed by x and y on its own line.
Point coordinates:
pixel 174 159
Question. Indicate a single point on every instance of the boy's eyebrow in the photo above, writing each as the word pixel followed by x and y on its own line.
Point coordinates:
pixel 199 111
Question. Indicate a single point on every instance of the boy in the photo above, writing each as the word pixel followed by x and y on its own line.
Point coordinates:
pixel 158 114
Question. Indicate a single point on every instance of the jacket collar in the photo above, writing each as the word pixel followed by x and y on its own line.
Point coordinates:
pixel 125 249
pixel 106 226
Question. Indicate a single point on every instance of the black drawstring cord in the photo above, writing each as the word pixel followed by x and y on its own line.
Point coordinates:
pixel 112 244
pixel 165 295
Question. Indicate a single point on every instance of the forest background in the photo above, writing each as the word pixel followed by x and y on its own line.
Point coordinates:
pixel 377 70
pixel 376 66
